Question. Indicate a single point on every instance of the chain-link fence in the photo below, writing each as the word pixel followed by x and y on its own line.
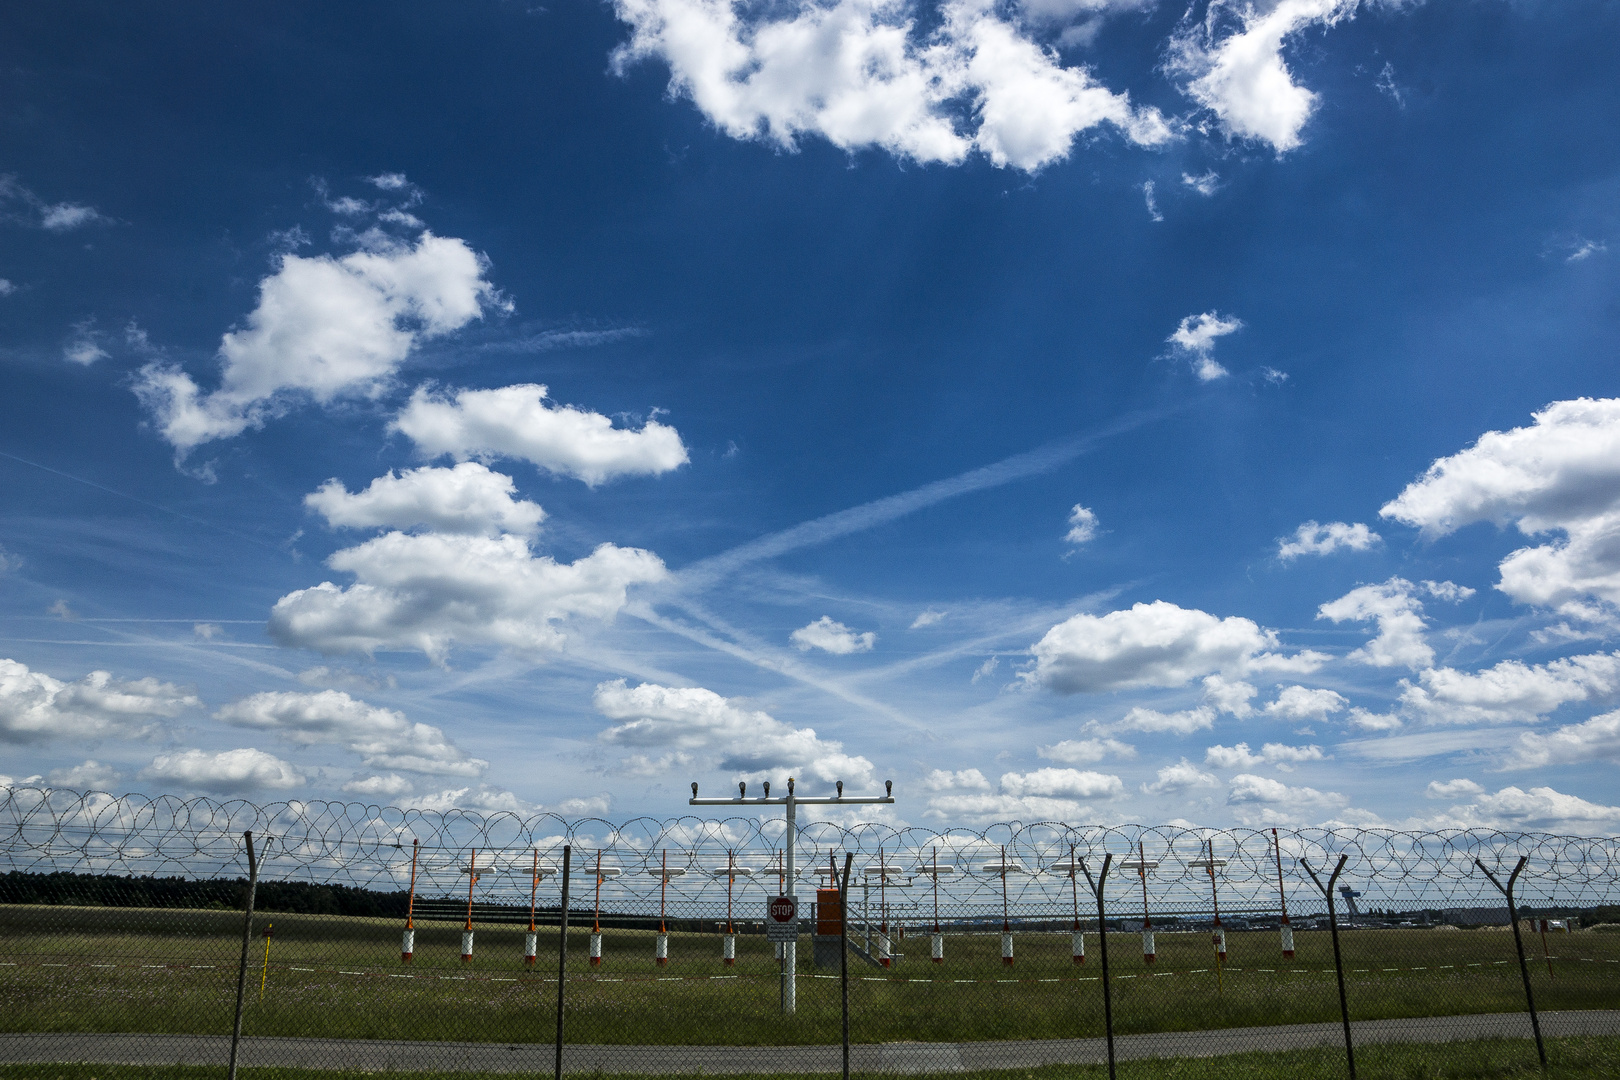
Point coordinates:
pixel 422 941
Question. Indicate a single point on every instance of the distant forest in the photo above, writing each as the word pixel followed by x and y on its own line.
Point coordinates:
pixel 298 897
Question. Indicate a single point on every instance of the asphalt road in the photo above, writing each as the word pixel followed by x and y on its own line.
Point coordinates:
pixel 402 1055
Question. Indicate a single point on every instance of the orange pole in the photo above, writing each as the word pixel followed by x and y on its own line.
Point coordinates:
pixel 1141 868
pixel 408 945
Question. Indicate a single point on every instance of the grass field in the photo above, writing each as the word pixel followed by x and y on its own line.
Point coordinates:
pixel 1570 1059
pixel 149 970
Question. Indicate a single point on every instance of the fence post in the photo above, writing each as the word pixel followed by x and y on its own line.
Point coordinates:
pixel 247 936
pixel 1102 938
pixel 843 951
pixel 562 953
pixel 1518 943
pixel 1338 960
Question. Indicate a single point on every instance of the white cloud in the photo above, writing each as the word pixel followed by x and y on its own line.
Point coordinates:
pixel 1248 788
pixel 1179 777
pixel 1206 184
pixel 35 707
pixel 1157 644
pixel 516 422
pixel 691 727
pixel 64 216
pixel 1449 591
pixel 1364 720
pixel 392 181
pixel 324 328
pixel 207 631
pixel 857 73
pixel 1597 739
pixel 1043 794
pixel 7 287
pixel 468 498
pixel 1543 808
pixel 927 618
pixel 425 592
pixel 1313 538
pixel 1229 695
pixel 1082 525
pixel 1085 751
pixel 384 786
pixel 1305 703
pixel 833 637
pixel 1241 757
pixel 1452 789
pixel 1234 63
pixel 1195 339
pixel 84 346
pixel 1062 784
pixel 961 780
pixel 383 738
pixel 1399 616
pixel 90 775
pixel 1150 720
pixel 1512 690
pixel 1152 203
pixel 986 669
pixel 1560 474
pixel 231 772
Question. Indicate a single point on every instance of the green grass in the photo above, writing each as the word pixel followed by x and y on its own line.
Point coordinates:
pixel 174 972
pixel 1496 1059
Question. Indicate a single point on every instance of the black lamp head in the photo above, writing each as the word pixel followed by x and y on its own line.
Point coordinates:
pixel 888 788
pixel 742 788
pixel 767 789
pixel 694 789
pixel 790 785
pixel 840 789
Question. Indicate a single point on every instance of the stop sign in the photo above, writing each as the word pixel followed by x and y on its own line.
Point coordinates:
pixel 783 924
pixel 783 909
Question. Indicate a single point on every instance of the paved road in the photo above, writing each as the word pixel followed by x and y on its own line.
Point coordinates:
pixel 666 1060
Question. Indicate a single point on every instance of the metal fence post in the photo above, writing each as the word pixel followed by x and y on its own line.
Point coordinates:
pixel 843 951
pixel 1338 961
pixel 1102 937
pixel 247 936
pixel 562 953
pixel 1518 943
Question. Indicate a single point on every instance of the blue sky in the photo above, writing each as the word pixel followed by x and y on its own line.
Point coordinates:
pixel 1071 409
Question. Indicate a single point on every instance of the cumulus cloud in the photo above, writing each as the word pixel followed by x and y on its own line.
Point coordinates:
pixel 324 328
pixel 383 738
pixel 1181 776
pixel 1542 808
pixel 1157 644
pixel 1046 794
pixel 1399 617
pixel 90 775
pixel 517 422
pixel 384 786
pixel 1314 538
pixel 1275 800
pixel 231 772
pixel 1151 720
pixel 1305 703
pixel 859 74
pixel 1241 757
pixel 425 592
pixel 1085 751
pixel 1511 691
pixel 1195 339
pixel 36 708
pixel 468 498
pixel 960 780
pixel 1082 526
pixel 1561 474
pixel 1229 695
pixel 833 637
pixel 1597 739
pixel 690 727
pixel 1234 66
pixel 1452 789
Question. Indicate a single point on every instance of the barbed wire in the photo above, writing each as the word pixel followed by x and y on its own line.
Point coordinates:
pixel 688 865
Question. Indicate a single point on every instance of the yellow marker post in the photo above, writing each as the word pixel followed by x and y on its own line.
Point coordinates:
pixel 266 973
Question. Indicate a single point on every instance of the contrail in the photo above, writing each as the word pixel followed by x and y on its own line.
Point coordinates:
pixel 867 515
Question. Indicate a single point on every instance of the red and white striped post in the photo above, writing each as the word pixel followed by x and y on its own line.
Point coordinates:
pixel 467 934
pixel 407 944
pixel 531 940
pixel 1282 902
